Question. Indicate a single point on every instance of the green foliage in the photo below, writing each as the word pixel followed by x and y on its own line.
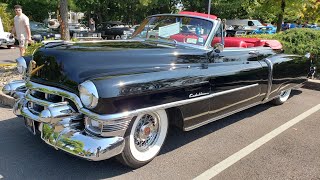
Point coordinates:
pixel 36 10
pixel 298 41
pixel 34 46
pixel 6 17
pixel 134 11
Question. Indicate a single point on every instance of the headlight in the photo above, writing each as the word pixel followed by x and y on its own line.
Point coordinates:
pixel 88 94
pixel 21 65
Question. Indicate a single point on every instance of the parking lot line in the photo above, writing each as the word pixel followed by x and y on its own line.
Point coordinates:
pixel 218 168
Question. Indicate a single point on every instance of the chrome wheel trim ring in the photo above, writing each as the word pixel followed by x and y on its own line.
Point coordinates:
pixel 146 132
pixel 154 148
pixel 284 95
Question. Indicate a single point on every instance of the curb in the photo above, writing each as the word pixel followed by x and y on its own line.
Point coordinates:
pixel 8 64
pixel 6 100
pixel 9 101
pixel 313 81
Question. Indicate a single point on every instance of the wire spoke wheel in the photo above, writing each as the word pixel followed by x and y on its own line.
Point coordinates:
pixel 147 132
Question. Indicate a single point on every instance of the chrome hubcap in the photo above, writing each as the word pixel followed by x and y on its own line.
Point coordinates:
pixel 284 93
pixel 146 132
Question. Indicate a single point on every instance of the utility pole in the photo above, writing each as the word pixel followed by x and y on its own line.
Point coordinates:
pixel 209 8
pixel 63 13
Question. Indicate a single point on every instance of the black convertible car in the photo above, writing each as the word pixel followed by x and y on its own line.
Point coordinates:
pixel 40 32
pixel 118 98
pixel 113 30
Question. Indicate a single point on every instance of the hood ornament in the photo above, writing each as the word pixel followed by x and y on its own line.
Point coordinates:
pixel 32 65
pixel 32 69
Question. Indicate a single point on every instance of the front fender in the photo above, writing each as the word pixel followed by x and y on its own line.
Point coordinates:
pixel 131 92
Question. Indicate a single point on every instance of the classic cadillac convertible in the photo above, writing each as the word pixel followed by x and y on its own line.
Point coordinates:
pixel 96 100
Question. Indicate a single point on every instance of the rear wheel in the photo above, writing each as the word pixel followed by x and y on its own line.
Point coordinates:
pixel 283 97
pixel 117 37
pixel 144 138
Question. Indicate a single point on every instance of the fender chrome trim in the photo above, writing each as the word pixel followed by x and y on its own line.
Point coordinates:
pixel 270 78
pixel 127 114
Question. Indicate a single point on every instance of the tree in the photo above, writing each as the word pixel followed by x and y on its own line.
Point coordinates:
pixel 280 15
pixel 36 10
pixel 6 18
pixel 63 19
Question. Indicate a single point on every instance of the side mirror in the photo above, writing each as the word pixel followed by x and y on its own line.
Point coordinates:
pixel 308 55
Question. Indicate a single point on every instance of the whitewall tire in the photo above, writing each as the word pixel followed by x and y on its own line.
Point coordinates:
pixel 144 138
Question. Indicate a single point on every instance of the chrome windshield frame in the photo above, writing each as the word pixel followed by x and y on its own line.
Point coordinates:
pixel 206 46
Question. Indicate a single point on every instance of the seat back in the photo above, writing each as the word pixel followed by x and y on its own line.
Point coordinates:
pixel 239 42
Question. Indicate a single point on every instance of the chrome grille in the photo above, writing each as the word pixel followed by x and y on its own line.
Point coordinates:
pixel 115 127
pixel 110 129
pixel 38 101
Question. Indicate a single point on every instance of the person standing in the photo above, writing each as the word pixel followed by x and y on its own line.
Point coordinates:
pixel 92 25
pixel 21 28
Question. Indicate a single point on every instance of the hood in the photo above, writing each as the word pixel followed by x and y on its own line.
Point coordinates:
pixel 66 66
pixel 4 35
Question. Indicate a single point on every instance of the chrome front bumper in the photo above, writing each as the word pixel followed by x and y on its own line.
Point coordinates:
pixel 61 131
pixel 7 42
pixel 80 143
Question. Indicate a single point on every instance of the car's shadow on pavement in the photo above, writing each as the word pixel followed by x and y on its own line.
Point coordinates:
pixel 312 86
pixel 23 155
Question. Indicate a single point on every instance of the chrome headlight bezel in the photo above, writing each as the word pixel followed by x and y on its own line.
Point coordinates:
pixel 88 94
pixel 21 65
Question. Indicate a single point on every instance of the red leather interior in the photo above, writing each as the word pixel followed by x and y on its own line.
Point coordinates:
pixel 182 37
pixel 230 41
pixel 238 42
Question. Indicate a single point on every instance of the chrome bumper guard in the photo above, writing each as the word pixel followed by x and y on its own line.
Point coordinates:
pixel 79 143
pixel 59 123
pixel 16 89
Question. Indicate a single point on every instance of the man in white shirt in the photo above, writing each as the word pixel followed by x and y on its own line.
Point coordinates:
pixel 22 29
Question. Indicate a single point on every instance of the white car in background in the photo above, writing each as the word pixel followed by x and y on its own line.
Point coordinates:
pixel 77 28
pixel 5 37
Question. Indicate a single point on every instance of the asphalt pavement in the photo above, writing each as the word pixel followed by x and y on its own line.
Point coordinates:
pixel 8 56
pixel 293 154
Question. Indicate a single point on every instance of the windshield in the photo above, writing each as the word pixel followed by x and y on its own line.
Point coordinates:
pixel 187 30
pixel 257 23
